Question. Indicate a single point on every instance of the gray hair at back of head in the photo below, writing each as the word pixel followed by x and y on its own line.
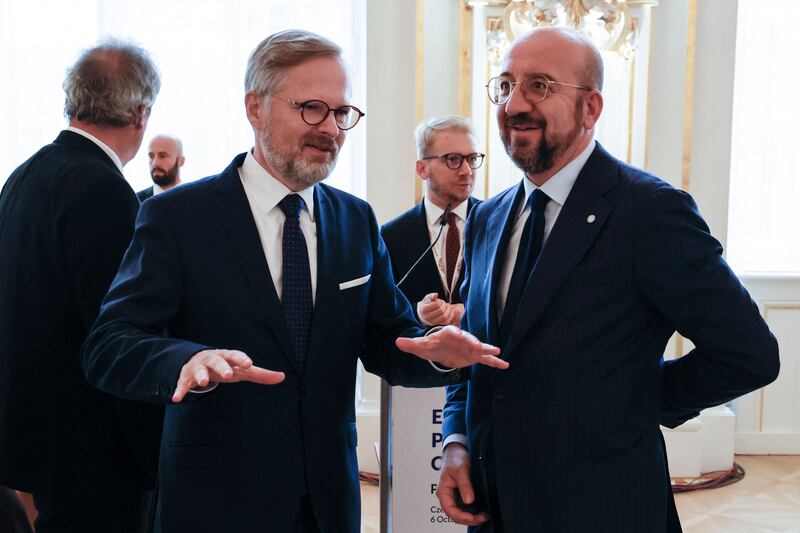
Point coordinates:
pixel 281 51
pixel 427 130
pixel 109 82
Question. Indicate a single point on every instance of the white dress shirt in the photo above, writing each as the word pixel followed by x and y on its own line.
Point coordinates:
pixel 557 188
pixel 157 189
pixel 103 146
pixel 264 192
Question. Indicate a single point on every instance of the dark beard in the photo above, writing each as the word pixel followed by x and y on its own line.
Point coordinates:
pixel 541 157
pixel 167 179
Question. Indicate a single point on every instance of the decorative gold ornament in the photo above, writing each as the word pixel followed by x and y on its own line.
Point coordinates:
pixel 608 23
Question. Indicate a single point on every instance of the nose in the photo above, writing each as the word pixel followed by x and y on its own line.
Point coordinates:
pixel 464 169
pixel 517 103
pixel 328 126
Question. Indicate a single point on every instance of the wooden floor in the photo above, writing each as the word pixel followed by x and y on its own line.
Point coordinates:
pixel 767 500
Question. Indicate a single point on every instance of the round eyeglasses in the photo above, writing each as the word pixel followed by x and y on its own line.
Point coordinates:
pixel 454 160
pixel 534 88
pixel 315 112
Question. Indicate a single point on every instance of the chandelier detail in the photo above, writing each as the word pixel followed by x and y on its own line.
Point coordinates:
pixel 608 23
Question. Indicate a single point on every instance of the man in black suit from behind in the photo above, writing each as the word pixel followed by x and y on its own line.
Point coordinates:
pixel 66 217
pixel 447 159
pixel 166 159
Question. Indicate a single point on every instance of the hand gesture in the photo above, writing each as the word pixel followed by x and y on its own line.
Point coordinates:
pixel 221 366
pixel 453 348
pixel 435 311
pixel 455 487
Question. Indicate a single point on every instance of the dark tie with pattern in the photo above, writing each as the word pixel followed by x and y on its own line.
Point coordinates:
pixel 452 248
pixel 530 244
pixel 296 298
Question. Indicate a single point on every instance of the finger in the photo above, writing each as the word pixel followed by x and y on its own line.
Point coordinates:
pixel 449 504
pixel 237 358
pixel 200 375
pixel 185 382
pixel 262 376
pixel 464 485
pixel 489 348
pixel 492 361
pixel 221 368
pixel 411 345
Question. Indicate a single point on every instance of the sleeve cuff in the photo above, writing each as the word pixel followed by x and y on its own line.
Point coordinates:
pixel 202 390
pixel 460 438
pixel 436 366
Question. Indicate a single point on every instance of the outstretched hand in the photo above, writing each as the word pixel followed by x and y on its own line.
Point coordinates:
pixel 221 366
pixel 453 348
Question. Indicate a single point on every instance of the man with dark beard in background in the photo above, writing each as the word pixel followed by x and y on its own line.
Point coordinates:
pixel 166 159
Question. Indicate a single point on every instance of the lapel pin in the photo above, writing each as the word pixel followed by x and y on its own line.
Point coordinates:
pixel 590 219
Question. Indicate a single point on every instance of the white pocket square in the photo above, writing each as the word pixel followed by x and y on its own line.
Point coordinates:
pixel 354 282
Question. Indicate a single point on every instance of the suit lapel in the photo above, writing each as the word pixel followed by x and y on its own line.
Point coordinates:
pixel 237 218
pixel 498 232
pixel 330 253
pixel 581 218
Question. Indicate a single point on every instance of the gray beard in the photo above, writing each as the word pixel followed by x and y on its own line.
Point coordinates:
pixel 299 171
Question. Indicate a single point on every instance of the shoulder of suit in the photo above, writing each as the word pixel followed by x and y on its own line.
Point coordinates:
pixel 401 222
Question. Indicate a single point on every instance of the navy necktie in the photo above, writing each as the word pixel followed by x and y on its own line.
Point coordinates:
pixel 530 244
pixel 296 298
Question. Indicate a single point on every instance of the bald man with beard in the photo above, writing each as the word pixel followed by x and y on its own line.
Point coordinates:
pixel 166 159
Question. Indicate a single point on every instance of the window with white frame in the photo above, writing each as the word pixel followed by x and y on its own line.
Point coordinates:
pixel 764 184
pixel 201 48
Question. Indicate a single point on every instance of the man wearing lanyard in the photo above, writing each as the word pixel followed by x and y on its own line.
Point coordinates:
pixel 447 161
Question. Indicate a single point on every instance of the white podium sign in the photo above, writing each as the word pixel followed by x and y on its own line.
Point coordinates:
pixel 415 462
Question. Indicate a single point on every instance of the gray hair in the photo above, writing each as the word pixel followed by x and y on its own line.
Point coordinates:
pixel 281 51
pixel 109 83
pixel 427 130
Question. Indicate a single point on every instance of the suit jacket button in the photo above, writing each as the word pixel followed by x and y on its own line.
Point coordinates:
pixel 498 396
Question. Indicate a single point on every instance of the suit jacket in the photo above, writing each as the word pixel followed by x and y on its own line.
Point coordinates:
pixel 406 237
pixel 240 458
pixel 66 217
pixel 574 421
pixel 144 194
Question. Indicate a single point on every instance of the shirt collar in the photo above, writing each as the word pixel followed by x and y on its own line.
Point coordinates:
pixel 157 189
pixel 434 213
pixel 266 190
pixel 103 146
pixel 560 184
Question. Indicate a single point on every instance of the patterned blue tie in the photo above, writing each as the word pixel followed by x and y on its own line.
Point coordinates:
pixel 530 244
pixel 296 298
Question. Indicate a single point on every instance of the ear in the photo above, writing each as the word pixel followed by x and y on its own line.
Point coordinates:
pixel 592 108
pixel 142 114
pixel 181 161
pixel 422 169
pixel 254 106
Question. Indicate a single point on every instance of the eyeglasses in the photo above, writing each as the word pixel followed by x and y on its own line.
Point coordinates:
pixel 454 160
pixel 315 112
pixel 535 88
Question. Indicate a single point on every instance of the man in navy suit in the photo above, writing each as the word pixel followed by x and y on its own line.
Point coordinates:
pixel 447 157
pixel 244 302
pixel 66 217
pixel 580 274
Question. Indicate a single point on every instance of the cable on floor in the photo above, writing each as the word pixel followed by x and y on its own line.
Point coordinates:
pixel 711 480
